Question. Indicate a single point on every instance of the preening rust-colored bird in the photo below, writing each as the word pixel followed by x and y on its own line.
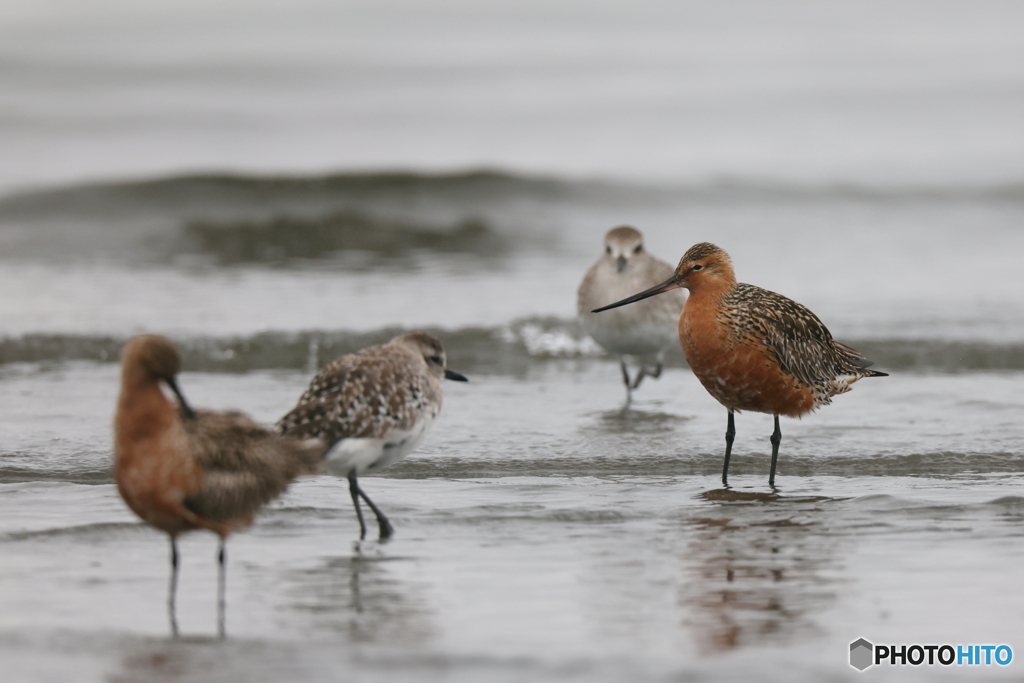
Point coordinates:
pixel 642 332
pixel 753 349
pixel 180 469
pixel 372 408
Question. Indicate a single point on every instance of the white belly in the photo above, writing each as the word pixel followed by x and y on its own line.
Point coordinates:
pixel 625 336
pixel 364 455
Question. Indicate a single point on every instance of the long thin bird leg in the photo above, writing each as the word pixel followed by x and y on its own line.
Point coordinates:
pixel 730 434
pixel 173 588
pixel 646 372
pixel 386 530
pixel 657 371
pixel 221 586
pixel 353 488
pixel 625 380
pixel 776 440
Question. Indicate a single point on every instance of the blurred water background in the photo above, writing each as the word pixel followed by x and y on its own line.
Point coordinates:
pixel 276 184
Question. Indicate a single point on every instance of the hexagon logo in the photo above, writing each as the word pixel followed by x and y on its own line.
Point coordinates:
pixel 861 654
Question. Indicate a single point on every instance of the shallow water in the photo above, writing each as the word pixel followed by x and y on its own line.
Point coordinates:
pixel 542 533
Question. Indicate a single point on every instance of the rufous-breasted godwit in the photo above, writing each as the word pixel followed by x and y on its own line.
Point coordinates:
pixel 753 349
pixel 372 408
pixel 640 332
pixel 181 469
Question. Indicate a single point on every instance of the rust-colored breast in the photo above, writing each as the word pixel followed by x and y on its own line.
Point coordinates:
pixel 152 465
pixel 736 367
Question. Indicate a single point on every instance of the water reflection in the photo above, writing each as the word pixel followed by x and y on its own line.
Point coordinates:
pixel 361 598
pixel 757 571
pixel 631 420
pixel 338 603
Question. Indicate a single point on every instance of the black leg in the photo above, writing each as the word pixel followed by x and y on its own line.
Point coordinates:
pixel 730 434
pixel 353 488
pixel 221 584
pixel 657 371
pixel 625 379
pixel 776 440
pixel 647 372
pixel 173 589
pixel 386 530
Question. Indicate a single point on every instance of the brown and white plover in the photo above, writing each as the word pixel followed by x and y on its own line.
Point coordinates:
pixel 372 408
pixel 642 332
pixel 753 349
pixel 181 469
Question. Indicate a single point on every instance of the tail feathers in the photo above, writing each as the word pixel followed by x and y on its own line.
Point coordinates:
pixel 864 364
pixel 857 359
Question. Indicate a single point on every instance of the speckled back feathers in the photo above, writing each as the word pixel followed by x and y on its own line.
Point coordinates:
pixel 799 342
pixel 371 392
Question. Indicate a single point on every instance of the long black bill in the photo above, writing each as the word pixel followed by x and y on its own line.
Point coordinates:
pixel 451 374
pixel 185 407
pixel 665 286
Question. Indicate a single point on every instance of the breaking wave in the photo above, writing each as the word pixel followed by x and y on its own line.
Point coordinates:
pixel 506 349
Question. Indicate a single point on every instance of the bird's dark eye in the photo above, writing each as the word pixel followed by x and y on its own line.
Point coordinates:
pixel 638 249
pixel 608 250
pixel 697 267
pixel 436 360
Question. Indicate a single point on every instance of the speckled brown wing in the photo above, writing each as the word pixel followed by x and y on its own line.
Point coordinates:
pixel 362 395
pixel 799 341
pixel 245 464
